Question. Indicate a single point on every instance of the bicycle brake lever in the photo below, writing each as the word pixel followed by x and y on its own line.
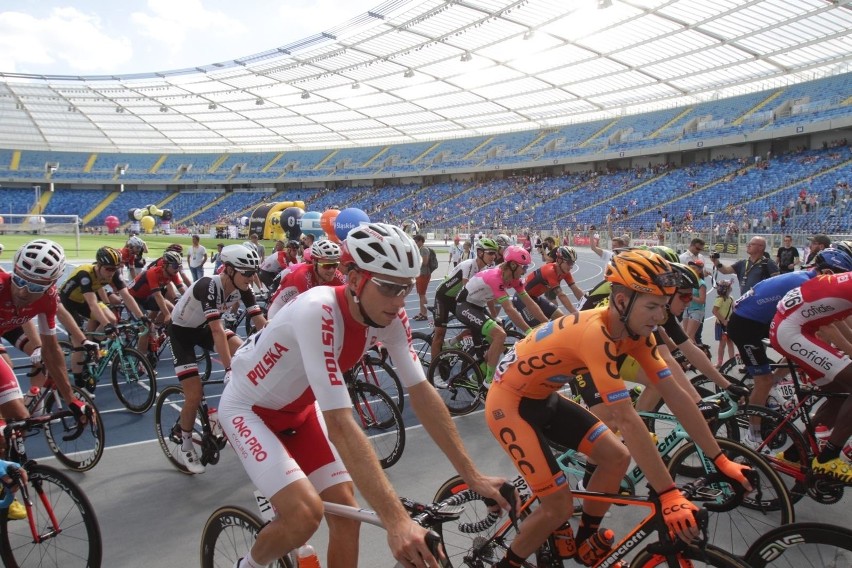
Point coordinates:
pixel 507 491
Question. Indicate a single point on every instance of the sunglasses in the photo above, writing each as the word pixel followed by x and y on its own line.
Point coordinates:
pixel 391 289
pixel 328 264
pixel 491 252
pixel 109 268
pixel 247 273
pixel 33 287
pixel 174 265
pixel 523 267
pixel 685 296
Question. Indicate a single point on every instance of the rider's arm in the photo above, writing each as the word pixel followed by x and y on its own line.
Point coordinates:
pixel 578 292
pixel 163 305
pixel 405 537
pixel 130 303
pixel 95 310
pixel 563 298
pixel 835 334
pixel 220 342
pixel 699 360
pixel 70 324
pixel 690 417
pixel 533 308
pixel 54 362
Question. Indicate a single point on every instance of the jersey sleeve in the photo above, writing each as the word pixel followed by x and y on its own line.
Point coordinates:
pixel 117 283
pixel 396 338
pixel 650 361
pixel 206 292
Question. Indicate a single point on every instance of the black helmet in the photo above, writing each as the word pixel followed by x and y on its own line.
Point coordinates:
pixel 107 256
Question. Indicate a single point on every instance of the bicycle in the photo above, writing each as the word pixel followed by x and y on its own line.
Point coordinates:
pixel 480 541
pixel 769 505
pixel 160 341
pixel 61 528
pixel 787 448
pixel 230 531
pixel 77 449
pixel 133 379
pixel 459 374
pixel 233 321
pixel 375 370
pixel 380 419
pixel 800 545
pixel 207 434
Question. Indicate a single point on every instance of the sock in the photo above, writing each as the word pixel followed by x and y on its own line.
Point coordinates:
pixel 489 372
pixel 186 440
pixel 828 453
pixel 249 562
pixel 589 525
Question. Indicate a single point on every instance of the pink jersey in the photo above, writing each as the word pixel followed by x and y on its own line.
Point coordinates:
pixel 487 285
pixel 801 312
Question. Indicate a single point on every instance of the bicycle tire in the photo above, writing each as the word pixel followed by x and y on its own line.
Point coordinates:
pixel 134 380
pixel 381 374
pixel 84 452
pixel 379 417
pixel 460 385
pixel 166 413
pixel 228 535
pixel 788 439
pixel 422 345
pixel 77 544
pixel 692 556
pixel 745 523
pixel 802 545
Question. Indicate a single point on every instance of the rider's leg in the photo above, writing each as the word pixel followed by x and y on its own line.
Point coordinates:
pixel 342 532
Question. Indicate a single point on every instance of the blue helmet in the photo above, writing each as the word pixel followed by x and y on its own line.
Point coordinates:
pixel 833 259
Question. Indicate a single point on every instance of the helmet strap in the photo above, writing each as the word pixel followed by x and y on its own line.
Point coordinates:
pixel 356 297
pixel 625 315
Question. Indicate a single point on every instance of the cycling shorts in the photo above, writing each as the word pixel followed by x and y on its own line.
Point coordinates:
pixel 474 317
pixel 277 448
pixel 524 425
pixel 548 307
pixel 821 361
pixel 748 336
pixel 444 306
pixel 184 340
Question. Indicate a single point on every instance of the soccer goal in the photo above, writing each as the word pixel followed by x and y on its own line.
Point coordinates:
pixel 41 225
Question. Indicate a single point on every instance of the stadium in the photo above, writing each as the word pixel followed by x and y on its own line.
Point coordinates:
pixel 659 120
pixel 665 118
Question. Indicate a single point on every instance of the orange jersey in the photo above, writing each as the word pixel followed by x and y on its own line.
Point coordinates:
pixel 576 346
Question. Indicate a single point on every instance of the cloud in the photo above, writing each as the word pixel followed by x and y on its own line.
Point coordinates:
pixel 171 23
pixel 66 38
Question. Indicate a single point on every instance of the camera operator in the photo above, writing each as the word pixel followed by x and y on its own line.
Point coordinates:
pixel 756 268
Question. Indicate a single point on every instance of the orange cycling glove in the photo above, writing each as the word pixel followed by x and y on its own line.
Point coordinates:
pixel 679 514
pixel 733 470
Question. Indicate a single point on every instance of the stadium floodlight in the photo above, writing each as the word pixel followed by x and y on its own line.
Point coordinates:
pixel 258 101
pixel 409 74
pixel 306 95
pixel 164 108
pixel 602 4
pixel 211 106
pixel 356 85
pixel 466 57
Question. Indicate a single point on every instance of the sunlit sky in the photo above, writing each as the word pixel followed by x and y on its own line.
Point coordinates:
pixel 95 37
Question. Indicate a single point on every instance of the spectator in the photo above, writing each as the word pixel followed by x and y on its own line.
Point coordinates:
pixel 818 243
pixel 258 246
pixel 606 255
pixel 456 252
pixel 217 258
pixel 787 257
pixel 756 268
pixel 424 277
pixel 196 258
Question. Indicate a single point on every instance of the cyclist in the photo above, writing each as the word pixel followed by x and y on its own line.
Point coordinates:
pixel 80 294
pixel 804 330
pixel 273 264
pixel 753 312
pixel 445 296
pixel 523 408
pixel 156 290
pixel 322 270
pixel 131 255
pixel 503 241
pixel 549 278
pixel 489 286
pixel 288 399
pixel 196 321
pixel 185 280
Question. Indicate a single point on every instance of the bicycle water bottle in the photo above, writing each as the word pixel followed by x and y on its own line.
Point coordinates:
pixel 215 426
pixel 822 434
pixel 31 395
pixel 307 557
pixel 596 547
pixel 563 540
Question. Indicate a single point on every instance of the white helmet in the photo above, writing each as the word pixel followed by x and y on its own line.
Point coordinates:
pixel 135 242
pixel 250 245
pixel 503 240
pixel 40 260
pixel 384 249
pixel 240 257
pixel 325 250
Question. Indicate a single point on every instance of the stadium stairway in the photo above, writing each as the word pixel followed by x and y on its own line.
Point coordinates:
pixel 202 210
pixel 40 206
pixel 100 207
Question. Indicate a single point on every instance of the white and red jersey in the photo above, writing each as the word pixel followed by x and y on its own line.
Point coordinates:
pixel 284 368
pixel 801 312
pixel 295 280
pixel 275 262
pixel 12 317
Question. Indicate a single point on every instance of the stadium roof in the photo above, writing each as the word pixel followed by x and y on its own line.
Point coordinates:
pixel 413 70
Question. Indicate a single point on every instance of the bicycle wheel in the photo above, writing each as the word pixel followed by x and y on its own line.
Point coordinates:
pixel 166 416
pixel 133 380
pixel 380 420
pixel 422 345
pixel 743 524
pixel 691 557
pixel 228 536
pixel 76 543
pixel 458 379
pixel 83 452
pixel 205 365
pixel 377 372
pixel 779 437
pixel 801 545
pixel 470 540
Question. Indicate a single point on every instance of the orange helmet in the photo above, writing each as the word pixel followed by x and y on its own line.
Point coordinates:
pixel 644 272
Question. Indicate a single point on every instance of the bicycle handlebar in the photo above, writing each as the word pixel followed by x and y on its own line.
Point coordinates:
pixel 14 473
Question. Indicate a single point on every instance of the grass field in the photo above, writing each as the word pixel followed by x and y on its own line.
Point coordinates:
pixel 90 243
